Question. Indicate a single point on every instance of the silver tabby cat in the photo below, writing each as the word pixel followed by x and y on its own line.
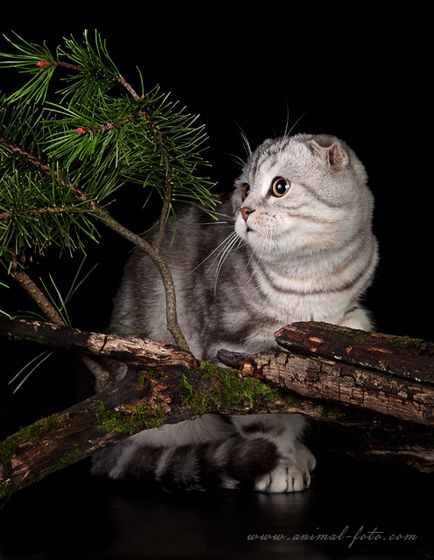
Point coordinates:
pixel 294 243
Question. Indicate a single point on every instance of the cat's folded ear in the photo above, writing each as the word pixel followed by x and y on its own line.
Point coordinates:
pixel 331 153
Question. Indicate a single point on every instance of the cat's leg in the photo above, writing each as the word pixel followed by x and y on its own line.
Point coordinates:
pixel 291 472
pixel 357 318
pixel 178 453
pixel 233 452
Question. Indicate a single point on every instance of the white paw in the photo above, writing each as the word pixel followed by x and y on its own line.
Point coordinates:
pixel 291 475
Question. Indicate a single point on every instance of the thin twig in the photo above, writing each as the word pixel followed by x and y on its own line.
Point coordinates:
pixel 102 376
pixel 167 202
pixel 43 168
pixel 168 186
pixel 121 80
pixel 19 151
pixel 159 261
pixel 7 216
pixel 38 296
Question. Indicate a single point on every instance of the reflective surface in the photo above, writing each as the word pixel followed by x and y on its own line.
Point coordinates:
pixel 351 511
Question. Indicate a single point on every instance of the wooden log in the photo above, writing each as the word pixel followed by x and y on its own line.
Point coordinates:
pixel 172 394
pixel 133 350
pixel 143 399
pixel 375 438
pixel 347 398
pixel 320 378
pixel 401 356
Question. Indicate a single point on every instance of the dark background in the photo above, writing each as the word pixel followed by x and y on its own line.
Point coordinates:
pixel 358 74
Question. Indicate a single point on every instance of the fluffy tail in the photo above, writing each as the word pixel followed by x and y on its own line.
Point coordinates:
pixel 232 462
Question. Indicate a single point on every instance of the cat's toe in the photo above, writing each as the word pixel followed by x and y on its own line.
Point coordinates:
pixel 263 483
pixel 297 479
pixel 283 479
pixel 289 476
pixel 304 458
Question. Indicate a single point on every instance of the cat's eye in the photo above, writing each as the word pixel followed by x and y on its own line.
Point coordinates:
pixel 280 186
pixel 245 189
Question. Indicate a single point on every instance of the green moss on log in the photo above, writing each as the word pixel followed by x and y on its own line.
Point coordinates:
pixel 129 421
pixel 228 390
pixel 290 401
pixel 334 413
pixel 8 487
pixel 38 429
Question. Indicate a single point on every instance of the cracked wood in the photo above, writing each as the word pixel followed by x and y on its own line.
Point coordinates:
pixel 400 356
pixel 135 351
pixel 320 378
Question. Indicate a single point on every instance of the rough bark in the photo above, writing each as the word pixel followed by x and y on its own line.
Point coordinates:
pixel 368 371
pixel 143 399
pixel 379 408
pixel 375 438
pixel 318 378
pixel 400 356
pixel 135 351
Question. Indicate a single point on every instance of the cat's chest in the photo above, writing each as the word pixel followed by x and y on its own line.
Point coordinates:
pixel 255 301
pixel 286 308
pixel 263 291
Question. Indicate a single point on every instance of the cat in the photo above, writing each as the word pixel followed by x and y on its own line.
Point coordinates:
pixel 293 242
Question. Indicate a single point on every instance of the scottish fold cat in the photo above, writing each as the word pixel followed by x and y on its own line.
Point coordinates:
pixel 293 242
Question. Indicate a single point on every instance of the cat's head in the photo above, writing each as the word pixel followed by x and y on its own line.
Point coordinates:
pixel 301 195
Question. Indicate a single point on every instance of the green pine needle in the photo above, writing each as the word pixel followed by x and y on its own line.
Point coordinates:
pixel 26 371
pixel 75 133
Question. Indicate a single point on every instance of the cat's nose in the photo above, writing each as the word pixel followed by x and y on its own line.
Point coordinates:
pixel 246 211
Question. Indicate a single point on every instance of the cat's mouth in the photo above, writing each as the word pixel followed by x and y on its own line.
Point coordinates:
pixel 250 229
pixel 242 229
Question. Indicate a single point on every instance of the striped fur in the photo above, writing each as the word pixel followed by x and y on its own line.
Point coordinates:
pixel 229 462
pixel 307 255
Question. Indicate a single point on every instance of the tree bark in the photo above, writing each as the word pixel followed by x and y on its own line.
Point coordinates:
pixel 400 356
pixel 143 399
pixel 368 371
pixel 360 387
pixel 135 351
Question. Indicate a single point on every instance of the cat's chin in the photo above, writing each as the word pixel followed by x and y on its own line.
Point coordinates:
pixel 251 237
pixel 246 232
pixel 242 230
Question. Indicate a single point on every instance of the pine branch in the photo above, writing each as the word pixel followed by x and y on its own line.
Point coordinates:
pixel 38 296
pixel 91 137
pixel 7 216
pixel 25 155
pixel 104 217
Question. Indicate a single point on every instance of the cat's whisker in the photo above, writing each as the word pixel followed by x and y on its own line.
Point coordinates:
pixel 237 160
pixel 210 223
pixel 268 236
pixel 228 216
pixel 246 142
pixel 294 125
pixel 223 256
pixel 222 244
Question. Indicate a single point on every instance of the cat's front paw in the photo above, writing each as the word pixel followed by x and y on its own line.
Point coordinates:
pixel 292 474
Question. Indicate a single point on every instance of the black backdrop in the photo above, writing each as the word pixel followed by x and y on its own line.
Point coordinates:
pixel 360 75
